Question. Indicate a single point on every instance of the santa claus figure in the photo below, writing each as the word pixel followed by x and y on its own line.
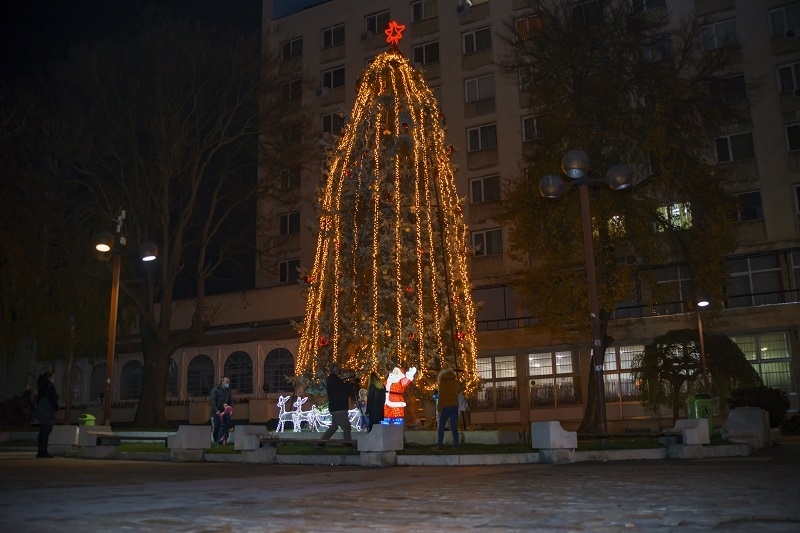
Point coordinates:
pixel 396 383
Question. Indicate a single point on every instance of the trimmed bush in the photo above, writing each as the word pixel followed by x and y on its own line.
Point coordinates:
pixel 773 401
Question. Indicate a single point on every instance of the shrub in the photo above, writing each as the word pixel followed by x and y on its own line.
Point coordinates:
pixel 773 401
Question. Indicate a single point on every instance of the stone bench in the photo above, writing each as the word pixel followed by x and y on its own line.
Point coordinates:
pixel 379 447
pixel 555 444
pixel 686 438
pixel 189 443
pixel 62 439
pixel 248 440
pixel 748 425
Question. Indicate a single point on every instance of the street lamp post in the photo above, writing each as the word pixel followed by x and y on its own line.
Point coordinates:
pixel 575 164
pixel 700 303
pixel 115 244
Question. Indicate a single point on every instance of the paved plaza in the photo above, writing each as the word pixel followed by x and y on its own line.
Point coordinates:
pixel 756 493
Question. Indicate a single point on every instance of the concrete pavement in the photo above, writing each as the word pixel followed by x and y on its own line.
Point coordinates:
pixel 756 493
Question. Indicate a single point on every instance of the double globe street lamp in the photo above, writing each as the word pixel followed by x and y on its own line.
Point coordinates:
pixel 575 164
pixel 114 244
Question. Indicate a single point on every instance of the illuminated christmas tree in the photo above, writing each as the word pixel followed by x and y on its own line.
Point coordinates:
pixel 389 284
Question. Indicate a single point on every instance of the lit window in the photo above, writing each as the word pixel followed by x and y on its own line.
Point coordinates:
pixel 719 35
pixel 554 379
pixel 770 356
pixel 618 367
pixel 480 88
pixel 482 137
pixel 735 147
pixel 486 189
pixel 676 216
pixel 488 242
pixel 289 223
pixel 499 383
pixel 333 36
pixel 478 40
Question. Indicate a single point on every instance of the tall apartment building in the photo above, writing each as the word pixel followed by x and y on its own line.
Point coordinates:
pixel 526 376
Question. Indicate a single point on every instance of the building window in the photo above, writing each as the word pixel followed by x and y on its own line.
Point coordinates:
pixel 526 77
pixel 785 21
pixel 485 189
pixel 290 178
pixel 531 128
pixel 333 36
pixel 287 271
pixel 735 147
pixel 426 53
pixel 377 22
pixel 199 376
pixel 729 90
pixel 674 287
pixel 332 123
pixel 482 137
pixel 749 206
pixel 478 40
pixel 618 368
pixel 97 382
pixel 499 379
pixel 292 49
pixel 676 216
pixel 793 137
pixel 333 78
pixel 239 368
pixel 289 223
pixel 554 379
pixel 789 79
pixel 795 257
pixel 529 26
pixel 130 381
pixel 770 356
pixel 172 378
pixel 658 49
pixel 278 365
pixel 291 90
pixel 753 281
pixel 587 13
pixel 480 88
pixel 646 5
pixel 719 35
pixel 797 201
pixel 488 242
pixel 426 9
pixel 292 133
pixel 77 385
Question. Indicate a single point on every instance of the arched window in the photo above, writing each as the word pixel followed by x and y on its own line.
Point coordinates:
pixel 278 364
pixel 172 378
pixel 239 367
pixel 200 375
pixel 97 382
pixel 130 381
pixel 77 385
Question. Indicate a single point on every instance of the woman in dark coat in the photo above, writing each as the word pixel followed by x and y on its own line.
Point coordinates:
pixel 376 398
pixel 44 411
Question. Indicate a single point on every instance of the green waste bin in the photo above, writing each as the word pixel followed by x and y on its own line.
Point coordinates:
pixel 86 420
pixel 702 406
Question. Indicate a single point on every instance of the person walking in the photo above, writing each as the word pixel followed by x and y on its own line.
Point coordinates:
pixel 376 399
pixel 44 411
pixel 449 387
pixel 221 398
pixel 339 394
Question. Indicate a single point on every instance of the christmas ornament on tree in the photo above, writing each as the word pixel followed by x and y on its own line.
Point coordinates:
pixel 392 248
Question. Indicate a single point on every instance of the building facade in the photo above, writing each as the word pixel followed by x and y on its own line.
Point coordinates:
pixel 527 377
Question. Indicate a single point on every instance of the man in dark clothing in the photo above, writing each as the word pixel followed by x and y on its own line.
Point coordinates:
pixel 44 411
pixel 220 399
pixel 339 394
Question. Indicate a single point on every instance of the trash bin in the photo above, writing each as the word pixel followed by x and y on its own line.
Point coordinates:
pixel 702 406
pixel 86 420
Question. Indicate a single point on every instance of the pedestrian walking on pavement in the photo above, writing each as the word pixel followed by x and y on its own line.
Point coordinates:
pixel 339 394
pixel 449 387
pixel 44 411
pixel 221 398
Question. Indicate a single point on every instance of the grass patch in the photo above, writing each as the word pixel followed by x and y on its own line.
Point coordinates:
pixel 22 443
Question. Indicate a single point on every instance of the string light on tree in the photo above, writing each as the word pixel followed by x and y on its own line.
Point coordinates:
pixel 390 285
